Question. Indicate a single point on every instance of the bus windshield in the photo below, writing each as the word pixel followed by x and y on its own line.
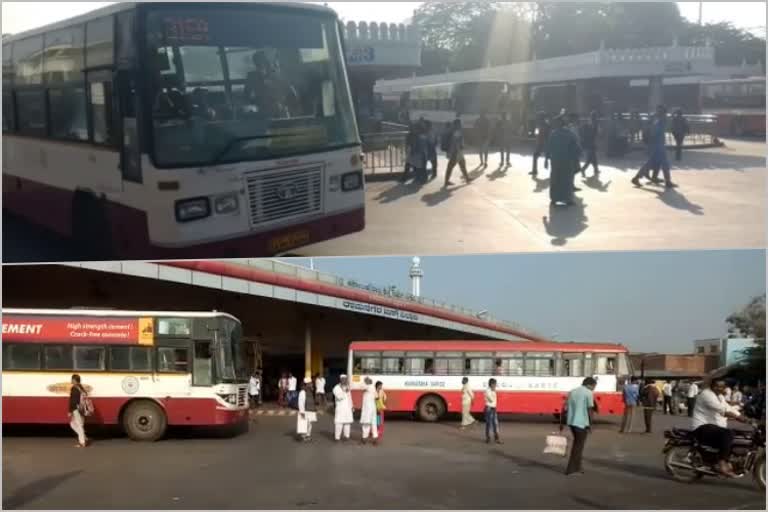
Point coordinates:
pixel 230 354
pixel 230 84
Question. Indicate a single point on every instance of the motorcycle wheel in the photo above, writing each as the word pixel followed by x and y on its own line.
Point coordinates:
pixel 760 472
pixel 681 455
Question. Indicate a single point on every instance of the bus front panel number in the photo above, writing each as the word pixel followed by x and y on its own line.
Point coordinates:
pixel 186 30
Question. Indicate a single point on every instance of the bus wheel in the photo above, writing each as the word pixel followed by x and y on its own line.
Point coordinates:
pixel 431 408
pixel 144 421
pixel 91 233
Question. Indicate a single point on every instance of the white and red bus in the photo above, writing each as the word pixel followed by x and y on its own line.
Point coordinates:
pixel 144 370
pixel 167 130
pixel 739 105
pixel 424 377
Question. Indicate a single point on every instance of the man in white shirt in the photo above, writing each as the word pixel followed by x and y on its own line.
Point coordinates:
pixel 292 384
pixel 693 392
pixel 666 390
pixel 254 389
pixel 710 423
pixel 344 409
pixel 491 417
pixel 737 398
pixel 320 390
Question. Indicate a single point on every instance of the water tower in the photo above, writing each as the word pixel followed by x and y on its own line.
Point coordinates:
pixel 416 274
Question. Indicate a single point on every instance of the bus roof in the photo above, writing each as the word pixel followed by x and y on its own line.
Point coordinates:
pixel 127 6
pixel 114 313
pixel 484 346
pixel 750 80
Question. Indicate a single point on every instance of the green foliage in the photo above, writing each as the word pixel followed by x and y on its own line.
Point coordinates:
pixel 750 323
pixel 470 35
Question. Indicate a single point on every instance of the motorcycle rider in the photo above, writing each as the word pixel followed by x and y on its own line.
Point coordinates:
pixel 710 423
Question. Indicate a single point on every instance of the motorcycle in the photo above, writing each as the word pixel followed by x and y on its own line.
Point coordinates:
pixel 687 460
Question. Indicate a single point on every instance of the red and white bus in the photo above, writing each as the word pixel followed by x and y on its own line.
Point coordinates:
pixel 144 370
pixel 168 130
pixel 739 105
pixel 424 377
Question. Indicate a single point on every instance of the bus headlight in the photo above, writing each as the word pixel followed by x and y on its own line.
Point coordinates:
pixel 189 210
pixel 352 181
pixel 225 204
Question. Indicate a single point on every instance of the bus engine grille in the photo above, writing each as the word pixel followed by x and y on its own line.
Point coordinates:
pixel 285 194
pixel 241 396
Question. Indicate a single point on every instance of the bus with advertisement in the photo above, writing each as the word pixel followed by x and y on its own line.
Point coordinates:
pixel 145 371
pixel 166 130
pixel 739 105
pixel 424 377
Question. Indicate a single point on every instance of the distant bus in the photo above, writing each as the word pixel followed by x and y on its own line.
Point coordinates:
pixel 739 105
pixel 424 377
pixel 154 130
pixel 144 370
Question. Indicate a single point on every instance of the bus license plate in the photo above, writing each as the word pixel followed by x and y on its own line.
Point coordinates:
pixel 289 241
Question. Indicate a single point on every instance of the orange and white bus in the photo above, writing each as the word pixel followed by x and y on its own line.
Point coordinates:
pixel 424 377
pixel 144 370
pixel 166 130
pixel 739 105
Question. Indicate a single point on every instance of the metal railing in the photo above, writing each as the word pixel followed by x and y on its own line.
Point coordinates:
pixel 384 152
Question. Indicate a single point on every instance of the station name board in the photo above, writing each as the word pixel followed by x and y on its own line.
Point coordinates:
pixel 373 309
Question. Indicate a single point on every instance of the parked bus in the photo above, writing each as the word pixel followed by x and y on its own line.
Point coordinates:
pixel 424 377
pixel 144 370
pixel 154 130
pixel 739 105
pixel 442 103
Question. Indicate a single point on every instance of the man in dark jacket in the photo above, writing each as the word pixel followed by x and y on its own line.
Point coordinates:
pixel 680 130
pixel 543 130
pixel 589 135
pixel 649 397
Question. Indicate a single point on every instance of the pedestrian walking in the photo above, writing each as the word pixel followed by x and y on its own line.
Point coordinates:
pixel 503 139
pixel 78 398
pixel 573 125
pixel 589 136
pixel 292 385
pixel 409 142
pixel 381 406
pixel 368 413
pixel 693 392
pixel 543 130
pixel 456 154
pixel 580 407
pixel 282 390
pixel 491 416
pixel 467 397
pixel 649 398
pixel 657 151
pixel 320 390
pixel 307 408
pixel 483 134
pixel 343 410
pixel 667 390
pixel 680 130
pixel 254 390
pixel 562 151
pixel 631 396
pixel 431 140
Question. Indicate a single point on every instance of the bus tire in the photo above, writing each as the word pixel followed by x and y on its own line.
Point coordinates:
pixel 145 421
pixel 91 233
pixel 431 408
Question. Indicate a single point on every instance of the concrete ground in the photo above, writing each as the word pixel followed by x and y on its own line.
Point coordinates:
pixel 418 466
pixel 720 204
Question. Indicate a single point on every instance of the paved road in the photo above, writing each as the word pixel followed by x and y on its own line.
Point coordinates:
pixel 417 466
pixel 720 204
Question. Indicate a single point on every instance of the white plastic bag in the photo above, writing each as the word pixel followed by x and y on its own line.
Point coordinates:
pixel 556 444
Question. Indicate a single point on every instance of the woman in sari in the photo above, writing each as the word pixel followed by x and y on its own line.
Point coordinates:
pixel 563 151
pixel 467 395
pixel 381 406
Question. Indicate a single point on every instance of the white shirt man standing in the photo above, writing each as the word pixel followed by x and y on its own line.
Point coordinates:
pixel 342 416
pixel 666 390
pixel 254 389
pixel 320 390
pixel 292 384
pixel 368 413
pixel 693 392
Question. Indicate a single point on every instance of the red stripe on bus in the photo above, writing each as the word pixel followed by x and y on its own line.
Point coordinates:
pixel 483 346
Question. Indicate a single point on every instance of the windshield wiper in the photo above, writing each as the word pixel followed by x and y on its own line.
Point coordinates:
pixel 239 140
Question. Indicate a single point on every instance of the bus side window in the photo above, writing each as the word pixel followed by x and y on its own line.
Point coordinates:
pixel 133 359
pixel 90 358
pixel 202 364
pixel 58 357
pixel 22 356
pixel 172 360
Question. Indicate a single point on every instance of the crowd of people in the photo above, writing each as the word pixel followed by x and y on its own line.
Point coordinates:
pixel 567 145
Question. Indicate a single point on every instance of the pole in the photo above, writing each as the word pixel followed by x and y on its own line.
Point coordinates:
pixel 701 14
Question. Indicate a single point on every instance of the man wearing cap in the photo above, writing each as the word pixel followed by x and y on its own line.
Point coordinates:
pixel 342 416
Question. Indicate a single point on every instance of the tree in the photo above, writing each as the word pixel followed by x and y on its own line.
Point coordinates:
pixel 732 45
pixel 750 323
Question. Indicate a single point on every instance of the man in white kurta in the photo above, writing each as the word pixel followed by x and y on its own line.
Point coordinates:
pixel 307 414
pixel 368 412
pixel 342 417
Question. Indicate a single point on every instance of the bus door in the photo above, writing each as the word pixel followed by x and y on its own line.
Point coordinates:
pixel 174 376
